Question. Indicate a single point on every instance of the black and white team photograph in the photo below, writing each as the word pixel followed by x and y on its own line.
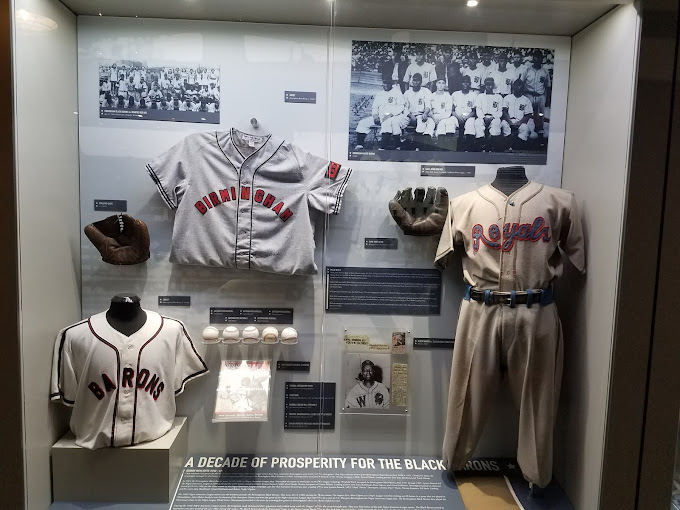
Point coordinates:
pixel 130 89
pixel 366 382
pixel 449 103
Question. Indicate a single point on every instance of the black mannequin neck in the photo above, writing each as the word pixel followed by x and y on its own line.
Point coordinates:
pixel 509 179
pixel 125 314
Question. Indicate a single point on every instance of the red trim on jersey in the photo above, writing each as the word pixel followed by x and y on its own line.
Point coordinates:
pixel 115 409
pixel 139 358
pixel 191 343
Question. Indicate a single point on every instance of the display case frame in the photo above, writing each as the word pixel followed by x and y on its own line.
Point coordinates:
pixel 647 177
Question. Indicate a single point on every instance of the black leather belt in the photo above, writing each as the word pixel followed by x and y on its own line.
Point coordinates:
pixel 541 297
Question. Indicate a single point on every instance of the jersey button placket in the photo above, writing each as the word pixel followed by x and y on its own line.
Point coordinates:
pixel 507 276
pixel 244 211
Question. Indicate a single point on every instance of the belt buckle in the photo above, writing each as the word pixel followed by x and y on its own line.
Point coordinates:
pixel 504 299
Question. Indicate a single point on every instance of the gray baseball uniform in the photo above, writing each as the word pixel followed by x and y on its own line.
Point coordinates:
pixel 245 201
pixel 122 389
pixel 509 244
pixel 377 396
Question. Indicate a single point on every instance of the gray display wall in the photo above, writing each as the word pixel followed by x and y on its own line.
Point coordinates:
pixel 258 63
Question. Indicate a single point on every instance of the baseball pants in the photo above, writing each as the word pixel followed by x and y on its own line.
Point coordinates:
pixel 391 125
pixel 438 126
pixel 469 124
pixel 525 344
pixel 494 127
pixel 523 130
pixel 538 103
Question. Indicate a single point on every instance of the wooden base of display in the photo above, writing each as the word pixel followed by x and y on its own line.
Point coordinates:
pixel 146 472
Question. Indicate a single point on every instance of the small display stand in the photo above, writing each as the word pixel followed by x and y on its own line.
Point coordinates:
pixel 146 472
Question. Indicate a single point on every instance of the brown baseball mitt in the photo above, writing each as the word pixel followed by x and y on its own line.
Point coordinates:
pixel 121 239
pixel 420 214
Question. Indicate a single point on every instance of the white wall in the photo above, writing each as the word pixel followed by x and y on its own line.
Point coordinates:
pixel 47 168
pixel 599 113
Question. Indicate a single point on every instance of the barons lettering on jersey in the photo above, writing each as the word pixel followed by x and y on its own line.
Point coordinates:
pixel 215 198
pixel 151 384
pixel 512 232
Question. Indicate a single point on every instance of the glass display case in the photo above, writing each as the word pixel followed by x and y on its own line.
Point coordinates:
pixel 249 298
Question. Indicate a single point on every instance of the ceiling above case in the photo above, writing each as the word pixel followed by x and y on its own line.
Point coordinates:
pixel 549 17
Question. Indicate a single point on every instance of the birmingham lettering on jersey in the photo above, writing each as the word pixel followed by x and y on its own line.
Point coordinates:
pixel 215 198
pixel 151 384
pixel 536 231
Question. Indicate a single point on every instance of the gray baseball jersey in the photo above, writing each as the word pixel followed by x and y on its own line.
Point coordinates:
pixel 122 389
pixel 245 201
pixel 375 397
pixel 509 243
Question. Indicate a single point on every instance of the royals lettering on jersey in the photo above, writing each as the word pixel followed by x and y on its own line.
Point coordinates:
pixel 512 232
pixel 215 198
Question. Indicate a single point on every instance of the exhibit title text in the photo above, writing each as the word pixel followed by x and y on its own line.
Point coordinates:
pixel 247 462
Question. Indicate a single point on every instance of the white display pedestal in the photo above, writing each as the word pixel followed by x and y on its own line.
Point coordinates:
pixel 146 472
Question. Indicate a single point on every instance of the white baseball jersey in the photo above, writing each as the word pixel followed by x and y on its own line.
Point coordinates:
pixel 122 389
pixel 503 80
pixel 489 104
pixel 536 80
pixel 518 107
pixel 416 102
pixel 388 102
pixel 464 103
pixel 426 70
pixel 475 75
pixel 486 71
pixel 245 201
pixel 509 243
pixel 520 72
pixel 375 397
pixel 441 104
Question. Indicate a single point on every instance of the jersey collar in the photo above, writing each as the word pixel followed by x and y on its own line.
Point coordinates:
pixel 254 160
pixel 101 327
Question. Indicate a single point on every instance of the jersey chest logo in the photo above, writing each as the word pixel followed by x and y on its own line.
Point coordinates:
pixel 512 232
pixel 144 381
pixel 215 198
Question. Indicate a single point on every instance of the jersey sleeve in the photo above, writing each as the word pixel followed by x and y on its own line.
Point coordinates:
pixel 64 383
pixel 188 363
pixel 445 241
pixel 327 181
pixel 478 104
pixel 571 237
pixel 171 170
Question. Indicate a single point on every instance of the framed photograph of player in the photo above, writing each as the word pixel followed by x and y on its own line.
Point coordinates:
pixel 366 382
pixel 450 103
pixel 141 90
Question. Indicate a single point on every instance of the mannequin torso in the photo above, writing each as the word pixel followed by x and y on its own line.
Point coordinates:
pixel 125 314
pixel 510 179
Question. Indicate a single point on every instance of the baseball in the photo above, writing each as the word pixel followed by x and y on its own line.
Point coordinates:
pixel 230 335
pixel 251 335
pixel 211 335
pixel 289 336
pixel 270 335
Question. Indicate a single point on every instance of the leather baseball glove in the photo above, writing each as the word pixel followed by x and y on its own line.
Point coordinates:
pixel 121 239
pixel 423 214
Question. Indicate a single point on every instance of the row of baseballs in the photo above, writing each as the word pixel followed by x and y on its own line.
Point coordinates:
pixel 249 335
